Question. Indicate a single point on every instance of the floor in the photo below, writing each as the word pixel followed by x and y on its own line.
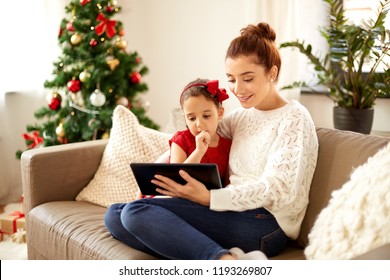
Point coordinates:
pixel 10 250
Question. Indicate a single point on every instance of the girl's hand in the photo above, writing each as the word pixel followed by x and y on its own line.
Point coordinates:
pixel 202 140
pixel 193 190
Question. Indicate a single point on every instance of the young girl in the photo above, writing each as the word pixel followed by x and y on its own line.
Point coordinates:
pixel 201 102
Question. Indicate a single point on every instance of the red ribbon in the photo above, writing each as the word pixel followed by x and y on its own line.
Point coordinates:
pixel 34 137
pixel 18 215
pixel 106 25
pixel 212 87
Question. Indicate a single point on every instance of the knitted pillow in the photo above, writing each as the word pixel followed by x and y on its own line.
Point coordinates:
pixel 356 219
pixel 129 142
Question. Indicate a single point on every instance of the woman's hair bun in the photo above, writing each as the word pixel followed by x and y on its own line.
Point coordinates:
pixel 262 30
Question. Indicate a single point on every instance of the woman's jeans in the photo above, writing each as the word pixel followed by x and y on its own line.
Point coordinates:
pixel 175 228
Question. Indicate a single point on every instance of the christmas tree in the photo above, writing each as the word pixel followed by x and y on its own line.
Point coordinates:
pixel 93 75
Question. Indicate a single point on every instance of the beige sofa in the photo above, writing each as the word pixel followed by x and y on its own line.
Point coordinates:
pixel 58 227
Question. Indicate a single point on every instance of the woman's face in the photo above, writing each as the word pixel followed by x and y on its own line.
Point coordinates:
pixel 249 82
pixel 201 114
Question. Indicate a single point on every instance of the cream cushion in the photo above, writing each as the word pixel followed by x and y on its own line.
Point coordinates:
pixel 129 142
pixel 356 219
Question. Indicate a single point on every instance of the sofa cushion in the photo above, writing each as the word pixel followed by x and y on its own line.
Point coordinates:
pixel 339 153
pixel 74 230
pixel 356 219
pixel 129 142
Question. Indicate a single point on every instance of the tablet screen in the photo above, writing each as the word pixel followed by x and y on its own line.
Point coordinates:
pixel 207 173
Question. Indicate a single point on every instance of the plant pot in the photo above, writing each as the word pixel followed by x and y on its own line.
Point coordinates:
pixel 358 120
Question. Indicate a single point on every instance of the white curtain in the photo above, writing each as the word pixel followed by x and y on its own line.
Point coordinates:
pixel 292 20
pixel 29 46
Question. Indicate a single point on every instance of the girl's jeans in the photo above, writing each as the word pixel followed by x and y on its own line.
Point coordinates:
pixel 174 228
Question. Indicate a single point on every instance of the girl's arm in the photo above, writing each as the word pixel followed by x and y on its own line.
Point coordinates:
pixel 177 154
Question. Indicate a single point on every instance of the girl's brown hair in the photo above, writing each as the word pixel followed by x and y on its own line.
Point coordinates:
pixel 197 91
pixel 258 40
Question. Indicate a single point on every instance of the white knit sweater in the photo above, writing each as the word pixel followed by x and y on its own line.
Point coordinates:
pixel 271 164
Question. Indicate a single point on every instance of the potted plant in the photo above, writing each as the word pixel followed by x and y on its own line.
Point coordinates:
pixel 352 88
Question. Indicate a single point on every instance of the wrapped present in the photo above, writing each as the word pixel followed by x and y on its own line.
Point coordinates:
pixel 19 236
pixel 11 223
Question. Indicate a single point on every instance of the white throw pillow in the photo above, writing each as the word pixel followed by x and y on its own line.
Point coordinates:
pixel 356 219
pixel 129 142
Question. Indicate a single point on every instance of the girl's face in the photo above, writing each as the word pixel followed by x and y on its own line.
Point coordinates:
pixel 201 114
pixel 250 83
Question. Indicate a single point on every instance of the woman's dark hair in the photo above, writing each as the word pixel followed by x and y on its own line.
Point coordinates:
pixel 197 91
pixel 258 40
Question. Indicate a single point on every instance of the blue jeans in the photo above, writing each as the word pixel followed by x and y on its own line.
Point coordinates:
pixel 175 228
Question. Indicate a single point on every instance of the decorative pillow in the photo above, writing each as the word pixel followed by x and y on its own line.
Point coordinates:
pixel 129 142
pixel 356 219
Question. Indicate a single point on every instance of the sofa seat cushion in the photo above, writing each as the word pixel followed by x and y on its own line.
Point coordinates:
pixel 74 230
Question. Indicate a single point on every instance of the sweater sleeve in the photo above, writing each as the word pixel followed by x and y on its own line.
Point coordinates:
pixel 286 177
pixel 225 126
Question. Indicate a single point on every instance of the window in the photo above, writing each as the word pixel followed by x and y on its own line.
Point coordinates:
pixel 358 10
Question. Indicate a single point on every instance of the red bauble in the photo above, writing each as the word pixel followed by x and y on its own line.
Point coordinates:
pixel 69 26
pixel 93 43
pixel 84 2
pixel 138 60
pixel 135 77
pixel 74 85
pixel 55 104
pixel 109 9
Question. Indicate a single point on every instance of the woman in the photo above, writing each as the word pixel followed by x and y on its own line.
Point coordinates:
pixel 271 164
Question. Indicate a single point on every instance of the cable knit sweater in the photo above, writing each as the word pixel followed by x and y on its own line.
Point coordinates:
pixel 271 165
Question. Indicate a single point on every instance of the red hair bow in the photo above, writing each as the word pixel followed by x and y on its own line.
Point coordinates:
pixel 213 88
pixel 34 138
pixel 105 25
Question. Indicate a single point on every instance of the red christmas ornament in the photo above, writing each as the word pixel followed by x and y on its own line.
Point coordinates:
pixel 84 2
pixel 135 77
pixel 138 60
pixel 60 32
pixel 122 33
pixel 69 26
pixel 93 43
pixel 55 104
pixel 109 9
pixel 74 85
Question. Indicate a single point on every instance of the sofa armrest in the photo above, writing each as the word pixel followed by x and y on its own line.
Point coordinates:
pixel 59 173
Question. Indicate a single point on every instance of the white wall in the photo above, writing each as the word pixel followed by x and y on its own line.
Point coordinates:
pixel 180 41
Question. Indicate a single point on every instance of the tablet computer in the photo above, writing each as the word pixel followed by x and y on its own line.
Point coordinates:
pixel 207 173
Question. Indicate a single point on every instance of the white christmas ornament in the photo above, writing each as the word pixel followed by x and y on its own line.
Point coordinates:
pixel 97 98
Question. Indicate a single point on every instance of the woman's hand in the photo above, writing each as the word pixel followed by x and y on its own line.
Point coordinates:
pixel 193 190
